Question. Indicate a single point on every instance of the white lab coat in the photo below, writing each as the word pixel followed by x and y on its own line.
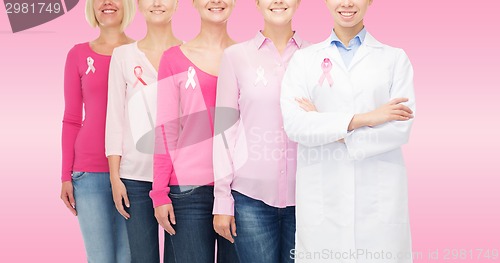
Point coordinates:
pixel 352 200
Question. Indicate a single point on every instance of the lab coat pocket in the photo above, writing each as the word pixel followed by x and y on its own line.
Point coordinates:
pixel 392 193
pixel 309 192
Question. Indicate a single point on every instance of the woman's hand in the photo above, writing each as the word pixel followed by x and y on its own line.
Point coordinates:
pixel 306 104
pixel 120 196
pixel 225 226
pixel 68 197
pixel 391 111
pixel 166 218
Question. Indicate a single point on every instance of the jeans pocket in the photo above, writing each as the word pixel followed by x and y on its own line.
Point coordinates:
pixel 177 192
pixel 77 175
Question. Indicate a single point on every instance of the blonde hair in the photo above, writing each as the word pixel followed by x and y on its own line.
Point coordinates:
pixel 128 13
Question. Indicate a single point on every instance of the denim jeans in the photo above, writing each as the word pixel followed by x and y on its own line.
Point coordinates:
pixel 195 238
pixel 103 228
pixel 142 227
pixel 266 234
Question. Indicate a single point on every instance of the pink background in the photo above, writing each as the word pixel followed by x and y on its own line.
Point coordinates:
pixel 453 156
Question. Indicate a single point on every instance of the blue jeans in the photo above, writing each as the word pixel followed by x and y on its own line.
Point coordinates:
pixel 103 228
pixel 195 238
pixel 266 234
pixel 142 227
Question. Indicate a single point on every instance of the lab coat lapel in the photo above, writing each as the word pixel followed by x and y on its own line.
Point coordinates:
pixel 327 50
pixel 364 50
pixel 333 51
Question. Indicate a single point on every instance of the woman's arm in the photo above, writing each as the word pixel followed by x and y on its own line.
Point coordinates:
pixel 73 113
pixel 115 119
pixel 166 125
pixel 167 113
pixel 226 125
pixel 72 122
pixel 388 127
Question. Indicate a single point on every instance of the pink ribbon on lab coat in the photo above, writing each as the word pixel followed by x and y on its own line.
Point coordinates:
pixel 326 66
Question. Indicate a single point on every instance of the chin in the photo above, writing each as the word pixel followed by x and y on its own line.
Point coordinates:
pixel 217 20
pixel 110 23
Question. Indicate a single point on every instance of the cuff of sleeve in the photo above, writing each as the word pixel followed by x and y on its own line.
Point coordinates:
pixel 224 206
pixel 109 153
pixel 160 197
pixel 65 177
pixel 354 145
pixel 344 122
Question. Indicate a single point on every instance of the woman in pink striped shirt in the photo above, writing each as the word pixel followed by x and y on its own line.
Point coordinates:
pixel 86 189
pixel 254 161
pixel 183 200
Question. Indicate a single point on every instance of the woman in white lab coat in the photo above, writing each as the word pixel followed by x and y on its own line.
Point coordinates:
pixel 351 179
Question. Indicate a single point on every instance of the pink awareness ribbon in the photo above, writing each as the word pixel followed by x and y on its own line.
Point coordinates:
pixel 190 81
pixel 90 64
pixel 138 75
pixel 326 66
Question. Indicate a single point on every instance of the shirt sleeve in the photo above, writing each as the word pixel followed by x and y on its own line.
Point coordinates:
pixel 166 127
pixel 227 118
pixel 115 113
pixel 308 128
pixel 369 141
pixel 73 112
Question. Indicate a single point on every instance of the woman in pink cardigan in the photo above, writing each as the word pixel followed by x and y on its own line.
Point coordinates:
pixel 183 200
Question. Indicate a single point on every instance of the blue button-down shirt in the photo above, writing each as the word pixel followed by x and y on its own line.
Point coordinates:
pixel 347 53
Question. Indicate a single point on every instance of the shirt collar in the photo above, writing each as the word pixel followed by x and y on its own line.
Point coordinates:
pixel 260 39
pixel 360 37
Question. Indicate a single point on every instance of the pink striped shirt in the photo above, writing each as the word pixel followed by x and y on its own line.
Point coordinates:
pixel 184 121
pixel 85 88
pixel 252 153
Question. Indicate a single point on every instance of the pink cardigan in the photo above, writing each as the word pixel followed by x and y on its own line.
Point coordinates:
pixel 184 121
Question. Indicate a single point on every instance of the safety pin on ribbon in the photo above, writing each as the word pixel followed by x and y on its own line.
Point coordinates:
pixel 138 75
pixel 90 64
pixel 190 81
pixel 326 66
pixel 260 76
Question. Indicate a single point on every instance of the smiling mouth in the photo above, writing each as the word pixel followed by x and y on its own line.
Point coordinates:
pixel 108 11
pixel 157 12
pixel 216 9
pixel 347 14
pixel 278 10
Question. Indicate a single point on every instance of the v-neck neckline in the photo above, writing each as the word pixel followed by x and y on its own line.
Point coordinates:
pixel 194 65
pixel 148 62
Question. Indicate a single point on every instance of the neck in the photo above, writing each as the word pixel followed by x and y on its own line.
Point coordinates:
pixel 158 37
pixel 346 34
pixel 280 35
pixel 112 36
pixel 213 35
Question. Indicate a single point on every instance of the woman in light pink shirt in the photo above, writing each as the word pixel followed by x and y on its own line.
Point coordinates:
pixel 86 189
pixel 129 124
pixel 254 161
pixel 187 81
